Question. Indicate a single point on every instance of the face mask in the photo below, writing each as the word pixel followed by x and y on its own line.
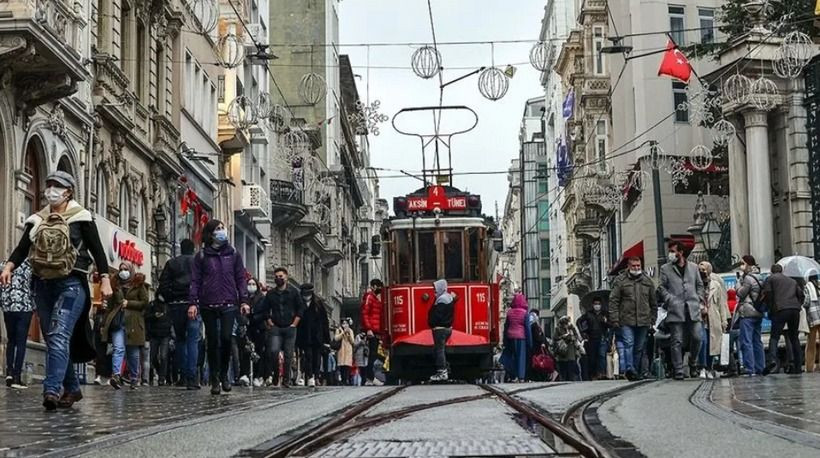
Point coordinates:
pixel 124 275
pixel 220 236
pixel 307 297
pixel 635 272
pixel 344 326
pixel 252 289
pixel 55 195
pixel 596 307
pixel 672 257
pixel 279 281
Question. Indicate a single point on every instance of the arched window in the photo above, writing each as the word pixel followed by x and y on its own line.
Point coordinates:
pixel 125 204
pixel 101 189
pixel 32 166
pixel 65 165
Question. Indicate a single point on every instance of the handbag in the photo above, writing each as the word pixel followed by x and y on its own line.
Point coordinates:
pixel 543 362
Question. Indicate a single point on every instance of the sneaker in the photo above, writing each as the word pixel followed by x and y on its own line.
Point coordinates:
pixel 98 380
pixel 134 384
pixel 311 382
pixel 710 375
pixel 50 401
pixel 226 386
pixel 9 380
pixel 439 376
pixel 18 384
pixel 769 368
pixel 377 382
pixel 244 381
pixel 300 382
pixel 679 376
pixel 257 382
pixel 631 376
pixel 68 399
pixel 269 381
pixel 702 374
pixel 115 381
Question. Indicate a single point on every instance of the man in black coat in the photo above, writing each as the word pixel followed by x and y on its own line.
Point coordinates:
pixel 313 335
pixel 785 297
pixel 285 308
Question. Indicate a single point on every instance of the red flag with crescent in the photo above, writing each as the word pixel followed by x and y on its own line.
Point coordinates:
pixel 675 64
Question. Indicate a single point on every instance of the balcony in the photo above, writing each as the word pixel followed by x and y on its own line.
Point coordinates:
pixel 40 42
pixel 255 202
pixel 287 203
pixel 333 251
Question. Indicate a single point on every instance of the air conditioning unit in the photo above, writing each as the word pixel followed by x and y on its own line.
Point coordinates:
pixel 255 201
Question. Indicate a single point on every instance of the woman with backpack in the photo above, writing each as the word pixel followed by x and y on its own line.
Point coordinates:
pixel 218 286
pixel 125 324
pixel 750 317
pixel 60 241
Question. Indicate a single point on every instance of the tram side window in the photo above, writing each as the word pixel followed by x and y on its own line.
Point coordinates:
pixel 427 256
pixel 474 243
pixel 453 254
pixel 402 257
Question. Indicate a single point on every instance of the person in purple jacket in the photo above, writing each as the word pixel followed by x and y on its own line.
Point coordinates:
pixel 218 284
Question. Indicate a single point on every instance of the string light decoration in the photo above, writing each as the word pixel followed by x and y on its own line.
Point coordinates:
pixel 312 88
pixel 368 116
pixel 722 132
pixel 701 103
pixel 295 143
pixel 737 89
pixel 540 56
pixel 242 113
pixel 264 105
pixel 426 62
pixel 229 50
pixel 638 180
pixel 764 94
pixel 677 169
pixel 206 13
pixel 700 157
pixel 493 83
pixel 278 118
pixel 792 55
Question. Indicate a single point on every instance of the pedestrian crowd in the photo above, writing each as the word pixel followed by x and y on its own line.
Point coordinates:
pixel 688 325
pixel 208 321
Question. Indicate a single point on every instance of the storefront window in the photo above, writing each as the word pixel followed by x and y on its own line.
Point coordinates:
pixel 453 256
pixel 426 244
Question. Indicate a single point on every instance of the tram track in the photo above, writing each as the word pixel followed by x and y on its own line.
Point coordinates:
pixel 569 436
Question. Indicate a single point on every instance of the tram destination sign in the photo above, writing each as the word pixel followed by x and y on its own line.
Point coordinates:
pixel 427 204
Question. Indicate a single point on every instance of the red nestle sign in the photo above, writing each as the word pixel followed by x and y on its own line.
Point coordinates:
pixel 127 251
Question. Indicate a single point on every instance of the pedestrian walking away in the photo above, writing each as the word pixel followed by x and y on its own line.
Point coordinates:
pixel 785 297
pixel 284 307
pixel 313 333
pixel 18 307
pixel 60 241
pixel 749 296
pixel 682 294
pixel 218 285
pixel 715 323
pixel 517 339
pixel 632 310
pixel 174 289
pixel 812 306
pixel 372 306
pixel 440 320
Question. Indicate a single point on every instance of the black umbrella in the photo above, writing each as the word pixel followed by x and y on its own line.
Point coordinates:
pixel 602 294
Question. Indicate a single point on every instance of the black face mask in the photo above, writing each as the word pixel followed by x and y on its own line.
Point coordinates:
pixel 279 281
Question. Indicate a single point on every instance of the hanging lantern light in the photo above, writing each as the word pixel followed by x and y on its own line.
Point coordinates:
pixel 799 47
pixel 264 105
pixel 278 117
pixel 784 66
pixel 539 56
pixel 426 62
pixel 312 88
pixel 295 144
pixel 230 50
pixel 493 83
pixel 242 113
pixel 764 94
pixel 722 132
pixel 700 157
pixel 737 89
pixel 206 12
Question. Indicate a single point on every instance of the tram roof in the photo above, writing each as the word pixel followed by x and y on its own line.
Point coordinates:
pixel 430 223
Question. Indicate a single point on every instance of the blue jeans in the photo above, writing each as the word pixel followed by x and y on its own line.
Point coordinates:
pixel 60 304
pixel 703 356
pixel 186 339
pixel 122 351
pixel 17 331
pixel 634 342
pixel 751 345
pixel 619 345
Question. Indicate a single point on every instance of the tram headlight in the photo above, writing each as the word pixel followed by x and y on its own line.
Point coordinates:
pixel 437 213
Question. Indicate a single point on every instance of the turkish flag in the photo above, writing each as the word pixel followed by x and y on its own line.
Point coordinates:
pixel 675 64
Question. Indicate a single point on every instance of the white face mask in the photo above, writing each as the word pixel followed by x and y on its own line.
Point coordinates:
pixel 596 307
pixel 124 275
pixel 672 257
pixel 251 289
pixel 635 272
pixel 55 195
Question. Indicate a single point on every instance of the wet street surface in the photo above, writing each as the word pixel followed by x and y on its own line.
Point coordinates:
pixel 743 417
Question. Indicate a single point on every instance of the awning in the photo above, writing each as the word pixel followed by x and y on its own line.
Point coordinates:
pixel 634 250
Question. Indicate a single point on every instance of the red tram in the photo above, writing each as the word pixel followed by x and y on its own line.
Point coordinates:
pixel 439 232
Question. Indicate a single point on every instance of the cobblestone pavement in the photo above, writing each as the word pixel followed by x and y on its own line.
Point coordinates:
pixel 785 400
pixel 26 429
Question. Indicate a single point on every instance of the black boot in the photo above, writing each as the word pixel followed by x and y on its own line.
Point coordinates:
pixel 226 385
pixel 192 384
pixel 215 386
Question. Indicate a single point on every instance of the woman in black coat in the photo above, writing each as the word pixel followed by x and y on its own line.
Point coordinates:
pixel 313 336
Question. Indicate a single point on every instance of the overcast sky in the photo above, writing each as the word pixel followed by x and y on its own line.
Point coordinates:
pixel 494 142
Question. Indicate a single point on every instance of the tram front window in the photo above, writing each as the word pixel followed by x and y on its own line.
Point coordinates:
pixel 453 254
pixel 473 251
pixel 427 256
pixel 402 257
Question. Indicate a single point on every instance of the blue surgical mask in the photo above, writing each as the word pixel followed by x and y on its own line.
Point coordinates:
pixel 220 236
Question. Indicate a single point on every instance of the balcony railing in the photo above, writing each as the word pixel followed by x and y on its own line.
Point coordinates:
pixel 255 201
pixel 287 203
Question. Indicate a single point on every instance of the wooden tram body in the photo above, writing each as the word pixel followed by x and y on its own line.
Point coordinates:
pixel 439 232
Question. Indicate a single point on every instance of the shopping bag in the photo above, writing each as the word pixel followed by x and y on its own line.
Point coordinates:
pixel 724 350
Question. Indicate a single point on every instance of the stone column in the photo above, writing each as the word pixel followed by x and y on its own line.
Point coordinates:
pixel 738 196
pixel 759 180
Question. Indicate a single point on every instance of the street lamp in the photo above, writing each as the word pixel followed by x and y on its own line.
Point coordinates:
pixel 711 233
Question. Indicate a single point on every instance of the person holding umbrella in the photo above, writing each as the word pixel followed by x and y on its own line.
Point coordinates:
pixel 785 297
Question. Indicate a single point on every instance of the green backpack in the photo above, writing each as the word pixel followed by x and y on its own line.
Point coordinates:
pixel 52 254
